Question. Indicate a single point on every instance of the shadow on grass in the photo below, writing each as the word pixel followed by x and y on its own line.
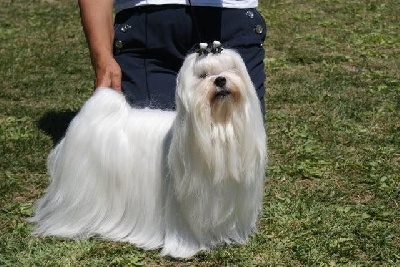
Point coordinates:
pixel 55 124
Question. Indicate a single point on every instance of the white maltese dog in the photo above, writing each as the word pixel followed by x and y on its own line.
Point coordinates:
pixel 182 181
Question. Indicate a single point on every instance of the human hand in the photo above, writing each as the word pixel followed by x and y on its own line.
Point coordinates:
pixel 108 73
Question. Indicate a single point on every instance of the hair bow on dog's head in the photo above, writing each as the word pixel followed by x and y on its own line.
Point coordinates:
pixel 205 49
pixel 216 47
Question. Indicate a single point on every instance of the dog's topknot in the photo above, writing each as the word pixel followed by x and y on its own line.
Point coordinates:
pixel 204 49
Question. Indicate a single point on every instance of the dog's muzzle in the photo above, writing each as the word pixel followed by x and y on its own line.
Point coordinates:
pixel 221 90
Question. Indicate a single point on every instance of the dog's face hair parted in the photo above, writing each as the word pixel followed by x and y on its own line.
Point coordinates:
pixel 221 79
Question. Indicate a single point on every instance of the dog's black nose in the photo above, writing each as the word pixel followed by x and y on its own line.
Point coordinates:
pixel 220 81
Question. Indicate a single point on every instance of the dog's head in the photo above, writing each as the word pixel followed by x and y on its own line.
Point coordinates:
pixel 214 85
pixel 218 114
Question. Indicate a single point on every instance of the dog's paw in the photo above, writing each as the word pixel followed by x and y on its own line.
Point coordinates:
pixel 180 249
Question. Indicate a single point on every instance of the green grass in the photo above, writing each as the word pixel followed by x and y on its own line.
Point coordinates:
pixel 333 119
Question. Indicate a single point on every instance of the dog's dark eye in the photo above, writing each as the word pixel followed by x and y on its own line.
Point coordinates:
pixel 203 75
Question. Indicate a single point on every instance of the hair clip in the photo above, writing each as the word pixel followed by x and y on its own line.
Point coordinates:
pixel 205 48
pixel 216 47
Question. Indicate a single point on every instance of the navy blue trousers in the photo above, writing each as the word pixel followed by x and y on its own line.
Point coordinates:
pixel 151 43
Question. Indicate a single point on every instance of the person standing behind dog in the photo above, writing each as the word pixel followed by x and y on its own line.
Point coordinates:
pixel 141 50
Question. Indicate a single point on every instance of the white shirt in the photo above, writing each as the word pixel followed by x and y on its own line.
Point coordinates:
pixel 124 4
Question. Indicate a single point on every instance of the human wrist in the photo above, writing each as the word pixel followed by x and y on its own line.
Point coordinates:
pixel 100 56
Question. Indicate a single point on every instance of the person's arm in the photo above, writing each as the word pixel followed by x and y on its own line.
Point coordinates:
pixel 97 21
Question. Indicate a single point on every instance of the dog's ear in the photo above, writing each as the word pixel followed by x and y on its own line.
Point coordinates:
pixel 184 82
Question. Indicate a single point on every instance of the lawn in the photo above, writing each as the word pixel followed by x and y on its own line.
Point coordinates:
pixel 332 188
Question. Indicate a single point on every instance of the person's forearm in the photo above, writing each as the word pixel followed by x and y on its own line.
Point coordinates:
pixel 97 21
